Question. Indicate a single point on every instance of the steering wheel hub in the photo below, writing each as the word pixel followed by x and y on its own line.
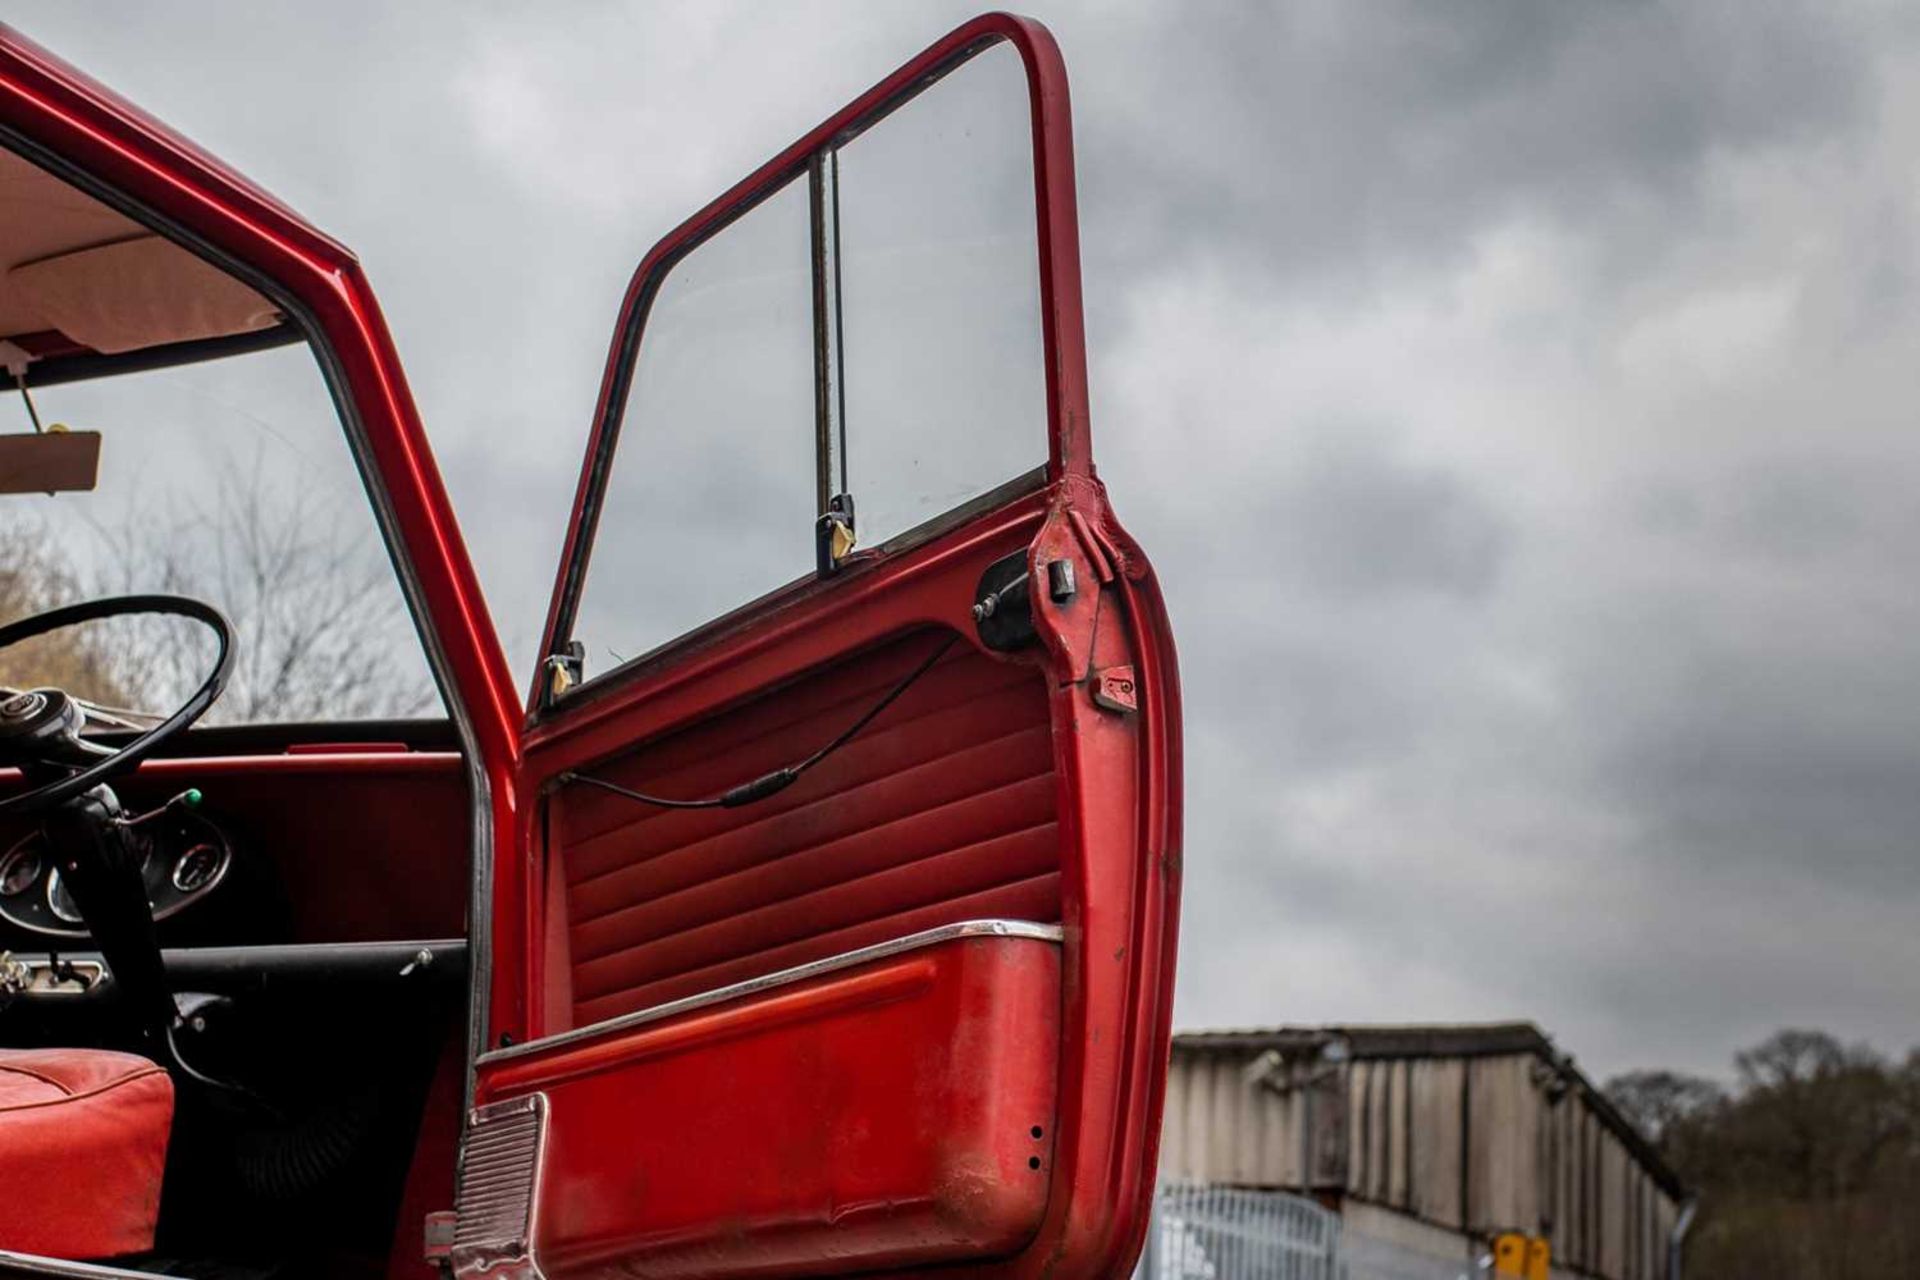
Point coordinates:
pixel 23 706
pixel 66 775
pixel 41 729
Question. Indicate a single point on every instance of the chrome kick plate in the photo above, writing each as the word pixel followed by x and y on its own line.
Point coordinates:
pixel 496 1193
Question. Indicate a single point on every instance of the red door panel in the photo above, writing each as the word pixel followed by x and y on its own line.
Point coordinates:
pixel 785 1131
pixel 912 1008
pixel 943 809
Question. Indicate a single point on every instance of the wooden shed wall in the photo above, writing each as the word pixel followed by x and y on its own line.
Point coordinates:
pixel 1220 1129
pixel 1389 1131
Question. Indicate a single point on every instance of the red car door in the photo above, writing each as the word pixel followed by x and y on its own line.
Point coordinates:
pixel 844 937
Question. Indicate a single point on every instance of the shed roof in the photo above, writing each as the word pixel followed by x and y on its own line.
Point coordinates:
pixel 1383 1040
pixel 1374 1041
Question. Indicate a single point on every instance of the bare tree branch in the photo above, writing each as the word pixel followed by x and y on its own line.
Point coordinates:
pixel 320 631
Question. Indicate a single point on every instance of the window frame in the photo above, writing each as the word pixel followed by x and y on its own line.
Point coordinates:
pixel 811 159
pixel 300 325
pixel 56 118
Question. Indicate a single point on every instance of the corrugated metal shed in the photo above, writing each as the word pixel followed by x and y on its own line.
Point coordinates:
pixel 1475 1129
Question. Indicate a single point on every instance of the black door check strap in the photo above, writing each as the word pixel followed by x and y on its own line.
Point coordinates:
pixel 780 779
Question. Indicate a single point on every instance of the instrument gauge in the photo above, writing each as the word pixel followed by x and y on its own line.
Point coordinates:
pixel 22 867
pixel 199 867
pixel 60 901
pixel 182 861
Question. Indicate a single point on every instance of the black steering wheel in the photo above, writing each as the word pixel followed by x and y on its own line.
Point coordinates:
pixel 41 727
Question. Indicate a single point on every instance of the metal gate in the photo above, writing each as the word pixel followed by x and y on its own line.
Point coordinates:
pixel 1205 1232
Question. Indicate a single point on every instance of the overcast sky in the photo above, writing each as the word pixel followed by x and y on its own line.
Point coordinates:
pixel 1515 399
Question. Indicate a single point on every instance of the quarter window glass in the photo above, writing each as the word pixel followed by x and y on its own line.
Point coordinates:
pixel 940 299
pixel 866 343
pixel 711 499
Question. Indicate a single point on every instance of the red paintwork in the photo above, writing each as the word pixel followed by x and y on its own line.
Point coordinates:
pixel 83 1141
pixel 1116 787
pixel 429 1187
pixel 1063 327
pixel 60 110
pixel 1089 1035
pixel 55 108
pixel 884 1115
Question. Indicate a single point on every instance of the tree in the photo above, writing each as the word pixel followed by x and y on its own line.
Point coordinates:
pixel 35 577
pixel 1655 1101
pixel 1809 1167
pixel 320 631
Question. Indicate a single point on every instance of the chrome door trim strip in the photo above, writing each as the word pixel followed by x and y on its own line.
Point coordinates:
pixel 38 1265
pixel 1027 929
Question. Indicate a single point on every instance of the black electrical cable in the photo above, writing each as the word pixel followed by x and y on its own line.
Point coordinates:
pixel 780 779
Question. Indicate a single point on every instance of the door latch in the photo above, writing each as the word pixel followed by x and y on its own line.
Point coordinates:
pixel 834 534
pixel 1115 689
pixel 566 668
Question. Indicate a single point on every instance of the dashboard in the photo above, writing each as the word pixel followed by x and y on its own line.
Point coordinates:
pixel 305 835
pixel 186 857
pixel 321 881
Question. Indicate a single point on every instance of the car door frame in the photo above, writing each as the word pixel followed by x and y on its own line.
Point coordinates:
pixel 60 118
pixel 1091 1229
pixel 1070 461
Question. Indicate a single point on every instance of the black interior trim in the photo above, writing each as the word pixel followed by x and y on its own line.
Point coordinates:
pixel 51 371
pixel 228 969
pixel 241 970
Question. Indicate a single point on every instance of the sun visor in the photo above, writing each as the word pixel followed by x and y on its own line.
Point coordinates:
pixel 133 294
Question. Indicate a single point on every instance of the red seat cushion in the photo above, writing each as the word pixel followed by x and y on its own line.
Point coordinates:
pixel 83 1143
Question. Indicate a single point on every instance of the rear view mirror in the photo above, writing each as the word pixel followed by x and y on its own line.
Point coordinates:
pixel 49 462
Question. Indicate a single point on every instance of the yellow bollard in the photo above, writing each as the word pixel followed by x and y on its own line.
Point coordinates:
pixel 1510 1254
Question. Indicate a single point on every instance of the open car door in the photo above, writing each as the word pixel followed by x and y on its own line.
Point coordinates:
pixel 844 939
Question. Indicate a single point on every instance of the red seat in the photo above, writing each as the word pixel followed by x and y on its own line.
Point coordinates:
pixel 83 1144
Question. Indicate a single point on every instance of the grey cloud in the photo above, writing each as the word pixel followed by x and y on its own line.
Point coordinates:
pixel 1353 521
pixel 1571 684
pixel 1770 746
pixel 1344 143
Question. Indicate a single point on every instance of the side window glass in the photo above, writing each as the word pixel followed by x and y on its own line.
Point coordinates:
pixel 945 380
pixel 853 358
pixel 711 499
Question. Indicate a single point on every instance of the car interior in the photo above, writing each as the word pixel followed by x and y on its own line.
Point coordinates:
pixel 829 871
pixel 232 959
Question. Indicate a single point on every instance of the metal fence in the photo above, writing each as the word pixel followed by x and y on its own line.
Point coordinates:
pixel 1205 1232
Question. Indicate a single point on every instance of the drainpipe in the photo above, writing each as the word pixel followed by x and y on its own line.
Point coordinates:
pixel 1678 1237
pixel 1306 1073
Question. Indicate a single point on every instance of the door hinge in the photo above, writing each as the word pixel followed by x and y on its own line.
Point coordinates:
pixel 436 1239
